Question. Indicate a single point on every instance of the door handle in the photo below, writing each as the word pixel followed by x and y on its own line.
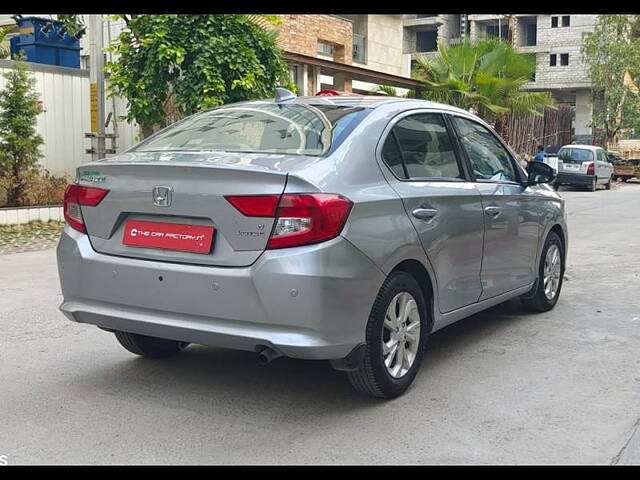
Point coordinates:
pixel 424 213
pixel 492 211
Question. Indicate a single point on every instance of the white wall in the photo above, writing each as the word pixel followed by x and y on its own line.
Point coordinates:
pixel 66 116
pixel 384 45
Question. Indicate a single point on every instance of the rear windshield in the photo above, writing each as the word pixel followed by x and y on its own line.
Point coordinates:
pixel 301 129
pixel 575 155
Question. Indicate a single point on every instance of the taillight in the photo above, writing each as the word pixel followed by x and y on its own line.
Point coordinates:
pixel 74 197
pixel 591 169
pixel 255 205
pixel 301 218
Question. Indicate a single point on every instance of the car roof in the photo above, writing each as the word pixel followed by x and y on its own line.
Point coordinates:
pixel 583 147
pixel 366 101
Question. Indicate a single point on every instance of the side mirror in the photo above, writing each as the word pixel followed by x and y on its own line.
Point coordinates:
pixel 539 172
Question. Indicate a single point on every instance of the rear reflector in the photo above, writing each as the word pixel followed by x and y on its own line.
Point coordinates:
pixel 74 197
pixel 254 205
pixel 301 218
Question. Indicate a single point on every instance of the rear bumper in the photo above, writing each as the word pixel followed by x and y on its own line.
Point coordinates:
pixel 575 178
pixel 306 302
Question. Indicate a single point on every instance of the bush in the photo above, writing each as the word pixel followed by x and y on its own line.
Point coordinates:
pixel 42 188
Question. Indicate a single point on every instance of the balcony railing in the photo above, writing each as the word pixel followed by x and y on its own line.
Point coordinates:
pixel 359 48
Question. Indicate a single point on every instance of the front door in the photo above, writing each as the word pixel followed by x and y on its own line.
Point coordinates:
pixel 510 216
pixel 443 204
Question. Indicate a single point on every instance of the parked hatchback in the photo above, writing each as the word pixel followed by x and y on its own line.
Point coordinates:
pixel 340 228
pixel 585 166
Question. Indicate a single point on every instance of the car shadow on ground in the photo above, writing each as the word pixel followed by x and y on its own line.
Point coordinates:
pixel 221 374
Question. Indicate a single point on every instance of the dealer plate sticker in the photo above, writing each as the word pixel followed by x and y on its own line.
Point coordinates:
pixel 168 236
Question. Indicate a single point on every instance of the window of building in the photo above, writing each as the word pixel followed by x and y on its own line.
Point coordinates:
pixel 325 49
pixel 359 51
pixel 564 59
pixel 552 60
pixel 498 30
pixel 533 59
pixel 566 20
pixel 489 159
pixel 427 41
pixel 554 22
pixel 531 34
pixel 419 146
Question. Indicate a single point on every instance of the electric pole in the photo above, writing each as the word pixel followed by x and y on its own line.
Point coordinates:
pixel 96 87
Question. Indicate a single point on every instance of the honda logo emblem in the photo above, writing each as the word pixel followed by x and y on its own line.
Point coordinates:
pixel 162 196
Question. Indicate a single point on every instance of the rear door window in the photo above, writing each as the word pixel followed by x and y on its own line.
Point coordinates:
pixel 419 146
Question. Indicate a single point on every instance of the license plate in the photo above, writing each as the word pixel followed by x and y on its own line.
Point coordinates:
pixel 168 236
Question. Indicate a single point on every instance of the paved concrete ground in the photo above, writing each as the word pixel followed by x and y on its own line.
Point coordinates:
pixel 499 387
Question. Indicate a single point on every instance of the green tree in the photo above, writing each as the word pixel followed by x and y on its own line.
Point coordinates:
pixel 612 52
pixel 4 43
pixel 181 64
pixel 486 76
pixel 19 141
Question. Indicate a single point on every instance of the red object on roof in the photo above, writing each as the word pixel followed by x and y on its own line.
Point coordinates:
pixel 336 93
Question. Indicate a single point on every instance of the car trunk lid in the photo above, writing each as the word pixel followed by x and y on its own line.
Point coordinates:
pixel 197 185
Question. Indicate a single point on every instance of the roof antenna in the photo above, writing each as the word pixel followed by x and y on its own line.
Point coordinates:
pixel 283 95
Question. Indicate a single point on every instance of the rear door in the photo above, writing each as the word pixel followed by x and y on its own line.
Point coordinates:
pixel 443 205
pixel 511 219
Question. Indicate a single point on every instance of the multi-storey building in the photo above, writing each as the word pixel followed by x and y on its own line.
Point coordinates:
pixel 555 40
pixel 345 52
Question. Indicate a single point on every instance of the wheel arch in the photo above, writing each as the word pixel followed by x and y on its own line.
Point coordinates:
pixel 418 271
pixel 557 228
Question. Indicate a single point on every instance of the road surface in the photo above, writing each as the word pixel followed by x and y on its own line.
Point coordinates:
pixel 499 387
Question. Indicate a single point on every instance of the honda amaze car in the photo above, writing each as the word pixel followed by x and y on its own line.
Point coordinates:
pixel 337 228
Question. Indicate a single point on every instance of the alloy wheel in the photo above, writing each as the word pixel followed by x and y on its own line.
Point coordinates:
pixel 401 334
pixel 552 271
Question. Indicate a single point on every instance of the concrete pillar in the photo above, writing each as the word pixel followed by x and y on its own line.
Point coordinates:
pixel 303 79
pixel 342 81
pixel 584 112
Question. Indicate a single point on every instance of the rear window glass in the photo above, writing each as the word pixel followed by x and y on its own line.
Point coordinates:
pixel 575 155
pixel 301 129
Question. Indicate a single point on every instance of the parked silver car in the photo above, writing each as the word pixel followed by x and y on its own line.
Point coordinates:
pixel 584 166
pixel 339 228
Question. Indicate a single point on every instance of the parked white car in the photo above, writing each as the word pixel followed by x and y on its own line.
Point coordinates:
pixel 584 165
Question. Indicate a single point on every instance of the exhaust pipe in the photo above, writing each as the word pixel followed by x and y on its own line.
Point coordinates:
pixel 268 355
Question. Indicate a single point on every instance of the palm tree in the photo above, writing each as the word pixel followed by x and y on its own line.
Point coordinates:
pixel 486 77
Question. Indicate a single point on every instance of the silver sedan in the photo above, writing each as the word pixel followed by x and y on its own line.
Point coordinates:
pixel 338 228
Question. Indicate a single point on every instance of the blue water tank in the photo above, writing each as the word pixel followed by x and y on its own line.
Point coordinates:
pixel 45 41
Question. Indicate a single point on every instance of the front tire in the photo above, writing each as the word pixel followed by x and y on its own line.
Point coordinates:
pixel 150 347
pixel 550 275
pixel 396 336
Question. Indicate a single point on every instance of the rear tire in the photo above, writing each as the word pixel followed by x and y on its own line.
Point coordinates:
pixel 150 347
pixel 375 375
pixel 539 300
pixel 592 187
pixel 608 184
